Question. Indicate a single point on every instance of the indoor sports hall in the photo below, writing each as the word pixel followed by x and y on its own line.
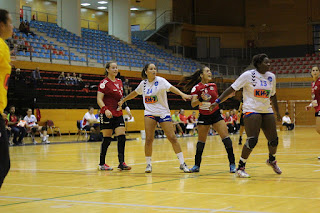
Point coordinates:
pixel 74 61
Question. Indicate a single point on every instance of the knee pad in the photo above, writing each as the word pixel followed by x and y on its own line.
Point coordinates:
pixel 227 142
pixel 274 143
pixel 44 128
pixel 251 142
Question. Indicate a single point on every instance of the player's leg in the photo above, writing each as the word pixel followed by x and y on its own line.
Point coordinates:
pixel 241 130
pixel 269 129
pixel 252 125
pixel 167 127
pixel 150 124
pixel 222 130
pixel 120 132
pixel 4 152
pixel 107 131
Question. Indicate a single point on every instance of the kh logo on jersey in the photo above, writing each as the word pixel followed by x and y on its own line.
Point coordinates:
pixel 151 99
pixel 261 93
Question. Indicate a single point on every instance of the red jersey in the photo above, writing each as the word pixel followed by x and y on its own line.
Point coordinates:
pixel 12 118
pixel 316 93
pixel 191 119
pixel 228 119
pixel 235 117
pixel 211 91
pixel 183 118
pixel 113 92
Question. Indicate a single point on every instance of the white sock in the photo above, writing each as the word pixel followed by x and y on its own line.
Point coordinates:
pixel 148 159
pixel 243 160
pixel 180 157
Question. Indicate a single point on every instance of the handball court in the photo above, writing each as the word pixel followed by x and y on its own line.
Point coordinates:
pixel 64 178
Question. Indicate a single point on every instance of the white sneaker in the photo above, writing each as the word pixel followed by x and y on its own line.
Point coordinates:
pixel 34 141
pixel 148 169
pixel 184 168
pixel 241 173
pixel 45 139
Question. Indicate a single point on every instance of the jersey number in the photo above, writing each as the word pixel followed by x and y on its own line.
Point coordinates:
pixel 149 91
pixel 263 83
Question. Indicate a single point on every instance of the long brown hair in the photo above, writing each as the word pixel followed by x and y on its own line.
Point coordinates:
pixel 144 70
pixel 192 80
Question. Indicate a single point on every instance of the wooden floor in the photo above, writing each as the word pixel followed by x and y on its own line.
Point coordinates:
pixel 64 178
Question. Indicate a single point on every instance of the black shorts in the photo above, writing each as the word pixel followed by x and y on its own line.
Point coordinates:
pixel 209 119
pixel 317 114
pixel 241 120
pixel 110 123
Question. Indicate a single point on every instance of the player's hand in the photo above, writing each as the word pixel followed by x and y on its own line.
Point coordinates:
pixel 120 103
pixel 214 105
pixel 186 97
pixel 308 107
pixel 279 117
pixel 108 113
pixel 130 115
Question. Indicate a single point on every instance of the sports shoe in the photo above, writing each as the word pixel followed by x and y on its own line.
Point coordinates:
pixel 123 166
pixel 241 173
pixel 148 169
pixel 195 168
pixel 274 166
pixel 104 167
pixel 184 168
pixel 233 168
pixel 319 158
pixel 45 139
pixel 34 141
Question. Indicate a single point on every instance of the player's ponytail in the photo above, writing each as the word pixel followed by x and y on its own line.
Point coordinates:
pixel 144 70
pixel 192 80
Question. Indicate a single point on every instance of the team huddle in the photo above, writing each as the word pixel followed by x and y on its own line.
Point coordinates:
pixel 259 91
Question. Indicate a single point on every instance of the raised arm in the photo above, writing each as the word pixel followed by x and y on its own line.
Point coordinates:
pixel 176 91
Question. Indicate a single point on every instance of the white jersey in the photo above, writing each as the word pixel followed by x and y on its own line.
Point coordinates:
pixel 155 96
pixel 86 118
pixel 257 90
pixel 30 121
pixel 286 119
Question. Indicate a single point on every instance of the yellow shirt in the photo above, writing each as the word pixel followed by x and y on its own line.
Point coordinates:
pixel 5 70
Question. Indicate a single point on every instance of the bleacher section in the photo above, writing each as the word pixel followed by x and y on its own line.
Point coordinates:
pixel 97 47
pixel 299 66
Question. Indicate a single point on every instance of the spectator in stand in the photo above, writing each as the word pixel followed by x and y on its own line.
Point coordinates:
pixel 22 28
pixel 27 26
pixel 21 44
pixel 184 121
pixel 79 79
pixel 192 120
pixel 36 77
pixel 74 80
pixel 61 78
pixel 18 131
pixel 286 121
pixel 89 121
pixel 126 86
pixel 33 127
pixel 68 79
pixel 19 76
pixel 229 121
pixel 176 122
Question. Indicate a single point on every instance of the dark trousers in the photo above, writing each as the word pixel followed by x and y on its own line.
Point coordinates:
pixel 289 126
pixel 18 132
pixel 4 152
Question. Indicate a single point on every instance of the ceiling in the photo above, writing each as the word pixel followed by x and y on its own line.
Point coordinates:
pixel 139 4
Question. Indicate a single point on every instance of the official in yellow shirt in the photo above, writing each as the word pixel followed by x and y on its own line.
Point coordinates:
pixel 5 70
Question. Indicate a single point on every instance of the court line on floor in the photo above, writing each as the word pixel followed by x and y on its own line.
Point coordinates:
pixel 137 205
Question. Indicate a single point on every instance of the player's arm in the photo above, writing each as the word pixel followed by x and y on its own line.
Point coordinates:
pixel 274 101
pixel 195 101
pixel 132 95
pixel 176 91
pixel 103 107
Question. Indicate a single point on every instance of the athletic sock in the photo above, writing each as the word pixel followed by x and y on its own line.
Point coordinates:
pixel 242 162
pixel 121 147
pixel 198 156
pixel 148 160
pixel 272 158
pixel 103 151
pixel 228 145
pixel 180 157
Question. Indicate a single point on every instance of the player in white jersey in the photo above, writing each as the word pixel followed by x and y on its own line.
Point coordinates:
pixel 31 125
pixel 154 91
pixel 259 87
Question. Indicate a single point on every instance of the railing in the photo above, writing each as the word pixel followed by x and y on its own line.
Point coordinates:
pixel 160 20
pixel 52 18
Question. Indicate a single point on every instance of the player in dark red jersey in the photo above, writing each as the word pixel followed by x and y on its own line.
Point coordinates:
pixel 110 92
pixel 315 96
pixel 204 94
